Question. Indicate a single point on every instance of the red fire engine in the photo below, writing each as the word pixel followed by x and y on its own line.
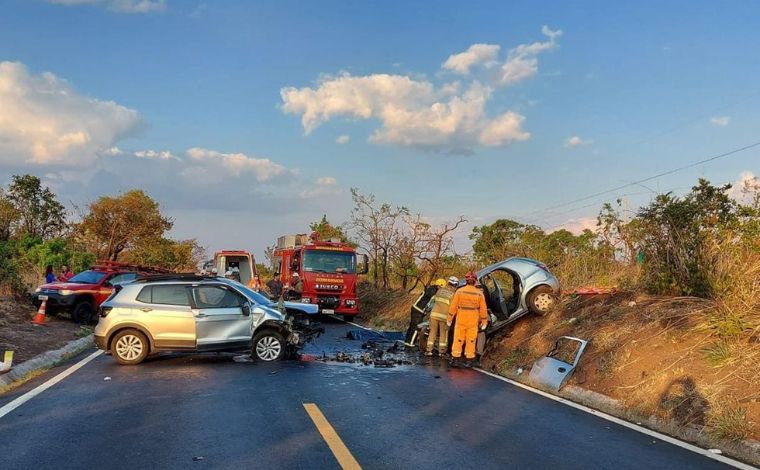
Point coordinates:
pixel 328 268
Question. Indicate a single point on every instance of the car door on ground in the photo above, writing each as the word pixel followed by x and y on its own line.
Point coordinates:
pixel 168 315
pixel 219 319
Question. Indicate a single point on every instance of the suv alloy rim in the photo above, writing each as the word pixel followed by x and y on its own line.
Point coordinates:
pixel 129 347
pixel 268 348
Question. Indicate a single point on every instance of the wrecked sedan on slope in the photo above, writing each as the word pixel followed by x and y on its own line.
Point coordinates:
pixel 196 313
pixel 513 288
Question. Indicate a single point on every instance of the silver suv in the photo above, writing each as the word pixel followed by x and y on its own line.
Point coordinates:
pixel 195 313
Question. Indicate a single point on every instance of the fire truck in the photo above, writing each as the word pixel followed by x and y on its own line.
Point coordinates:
pixel 328 268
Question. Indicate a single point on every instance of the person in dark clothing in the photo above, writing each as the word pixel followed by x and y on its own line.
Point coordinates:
pixel 274 286
pixel 49 276
pixel 418 312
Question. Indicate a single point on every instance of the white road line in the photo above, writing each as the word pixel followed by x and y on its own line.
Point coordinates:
pixel 41 388
pixel 360 326
pixel 622 422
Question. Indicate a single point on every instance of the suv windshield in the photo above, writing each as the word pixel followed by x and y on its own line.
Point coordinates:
pixel 323 261
pixel 88 277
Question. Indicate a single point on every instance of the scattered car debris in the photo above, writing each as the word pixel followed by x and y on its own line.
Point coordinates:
pixel 198 458
pixel 106 379
pixel 553 370
pixel 715 451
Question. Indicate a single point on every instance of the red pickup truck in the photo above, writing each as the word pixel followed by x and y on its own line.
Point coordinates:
pixel 81 295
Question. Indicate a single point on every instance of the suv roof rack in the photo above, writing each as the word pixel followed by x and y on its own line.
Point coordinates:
pixel 174 277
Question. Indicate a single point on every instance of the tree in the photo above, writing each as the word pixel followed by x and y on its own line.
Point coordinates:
pixel 39 212
pixel 9 216
pixel 130 221
pixel 326 230
pixel 437 252
pixel 504 238
pixel 375 227
pixel 180 256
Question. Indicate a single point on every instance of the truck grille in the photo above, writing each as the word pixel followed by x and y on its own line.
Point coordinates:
pixel 328 302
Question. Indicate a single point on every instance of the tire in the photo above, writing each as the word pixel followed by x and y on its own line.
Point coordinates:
pixel 129 347
pixel 268 346
pixel 541 300
pixel 83 313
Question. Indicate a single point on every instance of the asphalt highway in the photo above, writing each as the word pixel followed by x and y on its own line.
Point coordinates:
pixel 209 411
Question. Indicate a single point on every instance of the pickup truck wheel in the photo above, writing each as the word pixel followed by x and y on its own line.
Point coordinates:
pixel 129 347
pixel 268 346
pixel 83 313
pixel 541 300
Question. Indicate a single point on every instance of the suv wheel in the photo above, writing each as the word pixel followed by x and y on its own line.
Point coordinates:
pixel 129 347
pixel 541 300
pixel 267 346
pixel 83 313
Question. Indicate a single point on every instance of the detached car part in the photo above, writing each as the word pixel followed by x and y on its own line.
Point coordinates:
pixel 552 373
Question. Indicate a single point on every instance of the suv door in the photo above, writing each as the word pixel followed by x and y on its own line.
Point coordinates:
pixel 165 310
pixel 222 317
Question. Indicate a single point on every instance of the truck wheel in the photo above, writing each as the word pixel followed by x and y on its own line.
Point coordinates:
pixel 129 347
pixel 541 300
pixel 83 313
pixel 268 346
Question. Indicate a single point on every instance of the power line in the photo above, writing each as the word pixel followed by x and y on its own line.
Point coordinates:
pixel 637 182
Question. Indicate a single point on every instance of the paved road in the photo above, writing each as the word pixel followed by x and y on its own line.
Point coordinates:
pixel 172 409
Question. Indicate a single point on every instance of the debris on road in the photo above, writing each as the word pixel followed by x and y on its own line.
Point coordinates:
pixel 106 379
pixel 553 370
pixel 380 349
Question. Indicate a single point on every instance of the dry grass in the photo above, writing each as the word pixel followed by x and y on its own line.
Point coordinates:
pixel 730 422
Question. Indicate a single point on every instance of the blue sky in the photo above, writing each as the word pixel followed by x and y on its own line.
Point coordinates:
pixel 189 100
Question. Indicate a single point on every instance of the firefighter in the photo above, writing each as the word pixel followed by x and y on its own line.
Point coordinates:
pixel 439 311
pixel 295 292
pixel 418 312
pixel 468 305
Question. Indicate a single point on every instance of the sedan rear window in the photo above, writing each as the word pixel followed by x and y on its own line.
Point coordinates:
pixel 172 294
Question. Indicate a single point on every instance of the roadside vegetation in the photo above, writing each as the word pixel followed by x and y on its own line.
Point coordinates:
pixel 37 231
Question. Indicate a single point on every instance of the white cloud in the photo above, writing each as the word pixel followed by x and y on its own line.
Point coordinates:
pixel 326 181
pixel 121 6
pixel 720 121
pixel 576 141
pixel 522 61
pixel 156 155
pixel 343 139
pixel 205 162
pixel 43 120
pixel 476 54
pixel 577 225
pixel 414 112
pixel 745 187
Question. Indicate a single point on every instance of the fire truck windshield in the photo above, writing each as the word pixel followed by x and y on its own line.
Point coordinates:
pixel 323 261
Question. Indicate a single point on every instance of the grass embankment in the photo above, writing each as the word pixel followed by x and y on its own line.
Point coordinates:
pixel 659 356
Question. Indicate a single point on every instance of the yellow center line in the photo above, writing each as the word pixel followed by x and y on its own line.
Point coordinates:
pixel 333 440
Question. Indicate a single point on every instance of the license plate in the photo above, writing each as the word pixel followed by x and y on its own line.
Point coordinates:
pixel 43 297
pixel 328 310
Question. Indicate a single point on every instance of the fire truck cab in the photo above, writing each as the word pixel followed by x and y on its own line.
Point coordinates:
pixel 329 271
pixel 241 264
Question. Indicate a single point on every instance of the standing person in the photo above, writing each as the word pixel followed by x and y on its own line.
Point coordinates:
pixel 49 276
pixel 296 287
pixel 468 305
pixel 274 286
pixel 255 283
pixel 418 312
pixel 66 274
pixel 439 310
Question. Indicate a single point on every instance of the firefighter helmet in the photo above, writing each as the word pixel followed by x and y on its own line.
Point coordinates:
pixel 439 282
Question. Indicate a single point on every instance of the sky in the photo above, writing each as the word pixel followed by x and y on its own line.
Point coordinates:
pixel 247 120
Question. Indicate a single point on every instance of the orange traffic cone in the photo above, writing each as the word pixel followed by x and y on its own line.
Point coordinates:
pixel 39 319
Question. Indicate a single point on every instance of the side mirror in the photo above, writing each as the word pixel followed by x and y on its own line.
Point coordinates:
pixel 246 308
pixel 365 265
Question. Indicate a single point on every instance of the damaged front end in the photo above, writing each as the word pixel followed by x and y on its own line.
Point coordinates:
pixel 302 328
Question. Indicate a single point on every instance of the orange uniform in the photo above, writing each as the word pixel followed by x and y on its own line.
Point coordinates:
pixel 469 306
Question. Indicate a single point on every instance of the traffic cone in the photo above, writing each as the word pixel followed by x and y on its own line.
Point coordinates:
pixel 39 318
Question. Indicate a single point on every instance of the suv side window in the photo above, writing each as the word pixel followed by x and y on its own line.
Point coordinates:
pixel 169 294
pixel 216 297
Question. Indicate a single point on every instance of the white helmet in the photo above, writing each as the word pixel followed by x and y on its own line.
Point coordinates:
pixel 454 281
pixel 295 275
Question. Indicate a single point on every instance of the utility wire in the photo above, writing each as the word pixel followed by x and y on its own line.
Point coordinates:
pixel 637 182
